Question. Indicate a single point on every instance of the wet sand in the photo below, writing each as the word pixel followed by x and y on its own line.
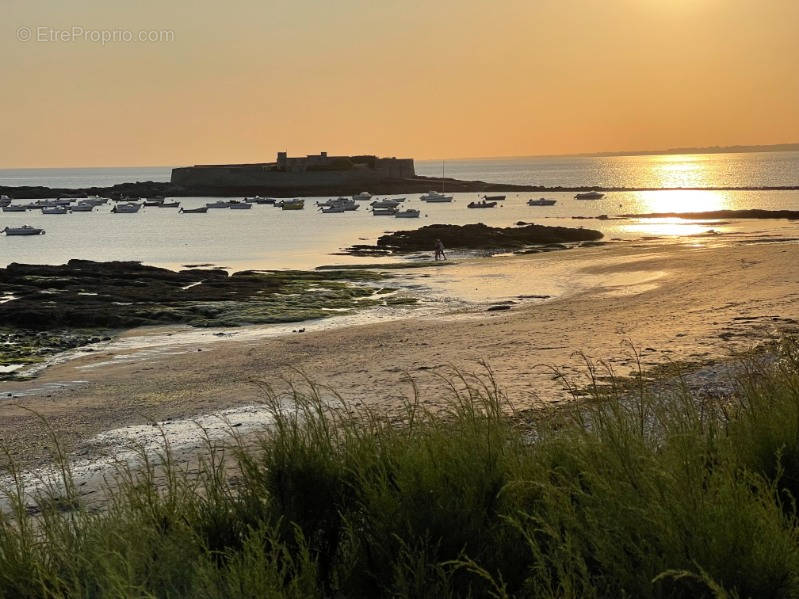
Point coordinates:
pixel 686 300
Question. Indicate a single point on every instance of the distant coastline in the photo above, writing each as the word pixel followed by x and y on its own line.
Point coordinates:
pixel 740 149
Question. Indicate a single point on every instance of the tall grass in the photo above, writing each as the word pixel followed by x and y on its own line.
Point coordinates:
pixel 630 494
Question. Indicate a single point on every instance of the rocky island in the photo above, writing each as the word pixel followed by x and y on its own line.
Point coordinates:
pixel 475 237
pixel 312 175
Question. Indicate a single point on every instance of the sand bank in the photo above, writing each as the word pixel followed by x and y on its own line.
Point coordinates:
pixel 689 300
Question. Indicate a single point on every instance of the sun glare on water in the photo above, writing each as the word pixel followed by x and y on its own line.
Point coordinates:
pixel 680 170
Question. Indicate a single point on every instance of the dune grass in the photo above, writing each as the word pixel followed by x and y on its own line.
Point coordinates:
pixel 631 494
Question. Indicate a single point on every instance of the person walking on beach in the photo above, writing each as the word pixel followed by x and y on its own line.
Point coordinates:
pixel 439 250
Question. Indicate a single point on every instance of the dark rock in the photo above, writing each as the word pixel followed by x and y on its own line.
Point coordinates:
pixel 498 308
pixel 480 236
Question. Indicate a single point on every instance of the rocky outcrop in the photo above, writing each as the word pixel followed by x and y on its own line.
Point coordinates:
pixel 480 236
pixel 113 295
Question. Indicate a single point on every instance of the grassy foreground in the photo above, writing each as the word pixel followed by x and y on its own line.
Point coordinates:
pixel 635 496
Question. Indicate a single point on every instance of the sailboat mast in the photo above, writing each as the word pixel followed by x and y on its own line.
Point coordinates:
pixel 442 176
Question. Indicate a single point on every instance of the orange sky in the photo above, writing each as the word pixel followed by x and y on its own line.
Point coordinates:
pixel 242 79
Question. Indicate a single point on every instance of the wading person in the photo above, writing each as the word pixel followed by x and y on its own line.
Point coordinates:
pixel 439 251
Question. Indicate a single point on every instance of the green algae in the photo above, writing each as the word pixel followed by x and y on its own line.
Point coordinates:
pixel 63 307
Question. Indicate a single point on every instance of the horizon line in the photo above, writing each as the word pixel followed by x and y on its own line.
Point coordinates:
pixel 733 149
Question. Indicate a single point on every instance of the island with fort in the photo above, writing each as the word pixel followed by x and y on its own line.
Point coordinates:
pixel 311 175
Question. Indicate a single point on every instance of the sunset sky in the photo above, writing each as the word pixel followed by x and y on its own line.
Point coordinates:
pixel 242 79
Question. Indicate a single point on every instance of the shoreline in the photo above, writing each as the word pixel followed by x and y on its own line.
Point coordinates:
pixel 676 302
pixel 419 184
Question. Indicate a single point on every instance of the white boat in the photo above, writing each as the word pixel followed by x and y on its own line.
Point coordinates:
pixel 23 230
pixel 386 203
pixel 589 195
pixel 493 198
pixel 435 196
pixel 337 205
pixel 218 204
pixel 408 213
pixel 54 210
pixel 126 208
pixel 541 202
pixel 364 195
pixel 15 208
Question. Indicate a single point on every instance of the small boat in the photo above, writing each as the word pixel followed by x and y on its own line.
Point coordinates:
pixel 435 196
pixel 200 210
pixel 93 201
pixel 46 204
pixel 4 200
pixel 154 202
pixel 15 208
pixel 337 205
pixel 293 204
pixel 168 205
pixel 481 204
pixel 364 195
pixel 384 211
pixel 235 205
pixel 493 198
pixel 126 208
pixel 54 210
pixel 260 200
pixel 23 230
pixel 541 202
pixel 386 203
pixel 408 213
pixel 589 195
pixel 80 207
pixel 218 204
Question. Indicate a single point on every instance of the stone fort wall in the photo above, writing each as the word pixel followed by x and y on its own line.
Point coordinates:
pixel 298 174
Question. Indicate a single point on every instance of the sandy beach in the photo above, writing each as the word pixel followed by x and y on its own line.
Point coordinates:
pixel 688 300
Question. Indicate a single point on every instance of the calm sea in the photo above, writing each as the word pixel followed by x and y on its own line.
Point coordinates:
pixel 267 237
pixel 757 169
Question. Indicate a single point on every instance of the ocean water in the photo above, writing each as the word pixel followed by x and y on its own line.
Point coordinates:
pixel 756 169
pixel 267 237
